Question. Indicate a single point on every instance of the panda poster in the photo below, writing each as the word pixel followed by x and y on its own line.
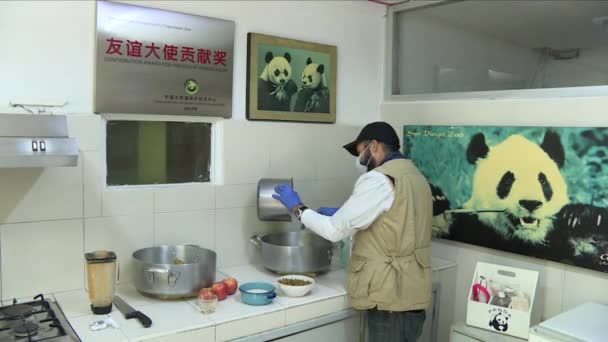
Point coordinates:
pixel 290 80
pixel 535 191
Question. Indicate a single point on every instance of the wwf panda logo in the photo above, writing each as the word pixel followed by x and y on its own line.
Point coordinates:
pixel 191 86
pixel 499 322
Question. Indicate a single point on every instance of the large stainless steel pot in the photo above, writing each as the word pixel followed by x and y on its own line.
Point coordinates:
pixel 294 252
pixel 269 209
pixel 174 271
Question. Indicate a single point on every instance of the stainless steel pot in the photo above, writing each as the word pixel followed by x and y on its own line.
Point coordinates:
pixel 269 209
pixel 295 252
pixel 174 271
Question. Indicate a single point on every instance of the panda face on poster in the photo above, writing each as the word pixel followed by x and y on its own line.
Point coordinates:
pixel 522 195
pixel 522 180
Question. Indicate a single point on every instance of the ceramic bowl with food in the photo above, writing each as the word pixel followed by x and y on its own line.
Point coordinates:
pixel 295 285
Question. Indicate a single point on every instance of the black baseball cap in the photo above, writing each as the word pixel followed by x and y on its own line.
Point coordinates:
pixel 380 131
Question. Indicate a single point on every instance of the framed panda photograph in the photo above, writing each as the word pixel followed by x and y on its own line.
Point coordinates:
pixel 290 80
pixel 535 191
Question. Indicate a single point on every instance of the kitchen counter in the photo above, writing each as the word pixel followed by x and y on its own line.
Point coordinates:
pixel 181 320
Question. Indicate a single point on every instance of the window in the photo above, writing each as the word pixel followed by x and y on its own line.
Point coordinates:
pixel 472 46
pixel 157 152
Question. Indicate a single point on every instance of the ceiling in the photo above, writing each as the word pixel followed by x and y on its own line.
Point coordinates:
pixel 533 24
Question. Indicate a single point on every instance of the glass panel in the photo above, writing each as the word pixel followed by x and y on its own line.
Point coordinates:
pixel 500 45
pixel 156 152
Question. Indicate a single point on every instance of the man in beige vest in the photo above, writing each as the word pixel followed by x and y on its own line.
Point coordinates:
pixel 389 213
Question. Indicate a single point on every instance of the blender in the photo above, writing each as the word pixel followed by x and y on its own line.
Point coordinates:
pixel 101 280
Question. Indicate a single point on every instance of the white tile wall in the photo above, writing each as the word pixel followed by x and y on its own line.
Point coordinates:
pixel 236 196
pixel 121 234
pixel 87 129
pixel 127 201
pixel 184 198
pixel 308 191
pixel 188 227
pixel 293 151
pixel 41 257
pixel 234 227
pixel 246 152
pixel 334 161
pixel 92 169
pixel 37 194
pixel 335 190
pixel 134 297
pixel 583 286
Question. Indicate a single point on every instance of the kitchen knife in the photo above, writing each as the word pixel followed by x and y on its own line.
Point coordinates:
pixel 129 312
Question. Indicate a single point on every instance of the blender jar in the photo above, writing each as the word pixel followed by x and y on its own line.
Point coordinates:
pixel 101 280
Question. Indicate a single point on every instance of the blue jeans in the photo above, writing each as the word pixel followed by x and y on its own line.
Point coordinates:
pixel 386 326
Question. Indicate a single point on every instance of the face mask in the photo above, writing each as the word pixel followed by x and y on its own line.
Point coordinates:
pixel 363 167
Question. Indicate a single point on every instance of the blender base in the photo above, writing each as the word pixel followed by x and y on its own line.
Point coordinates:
pixel 101 310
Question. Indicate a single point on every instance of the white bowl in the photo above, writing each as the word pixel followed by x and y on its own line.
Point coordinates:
pixel 296 291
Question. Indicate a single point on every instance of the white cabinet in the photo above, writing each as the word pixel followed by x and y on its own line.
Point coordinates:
pixel 429 331
pixel 206 334
pixel 347 330
pixel 458 337
pixel 440 317
pixel 464 333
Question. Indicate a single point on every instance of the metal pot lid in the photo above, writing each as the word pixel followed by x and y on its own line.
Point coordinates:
pixel 175 255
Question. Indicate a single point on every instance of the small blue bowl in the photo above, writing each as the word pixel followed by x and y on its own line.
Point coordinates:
pixel 257 293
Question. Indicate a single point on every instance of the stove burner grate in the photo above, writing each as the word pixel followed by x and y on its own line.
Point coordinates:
pixel 17 311
pixel 26 329
pixel 36 320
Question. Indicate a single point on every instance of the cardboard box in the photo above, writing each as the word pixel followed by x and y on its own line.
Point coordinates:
pixel 499 315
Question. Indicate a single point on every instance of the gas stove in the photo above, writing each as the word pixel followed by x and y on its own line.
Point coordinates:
pixel 37 320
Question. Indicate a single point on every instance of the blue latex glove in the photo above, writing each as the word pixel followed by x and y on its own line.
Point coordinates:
pixel 287 196
pixel 327 211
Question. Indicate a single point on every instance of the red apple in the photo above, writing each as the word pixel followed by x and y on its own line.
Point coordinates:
pixel 207 293
pixel 221 290
pixel 232 285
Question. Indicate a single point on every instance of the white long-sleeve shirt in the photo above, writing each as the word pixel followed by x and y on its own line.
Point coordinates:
pixel 372 196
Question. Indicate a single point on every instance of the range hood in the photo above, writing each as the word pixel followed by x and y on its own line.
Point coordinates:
pixel 30 140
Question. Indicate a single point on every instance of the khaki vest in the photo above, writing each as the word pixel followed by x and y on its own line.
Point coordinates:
pixel 390 266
